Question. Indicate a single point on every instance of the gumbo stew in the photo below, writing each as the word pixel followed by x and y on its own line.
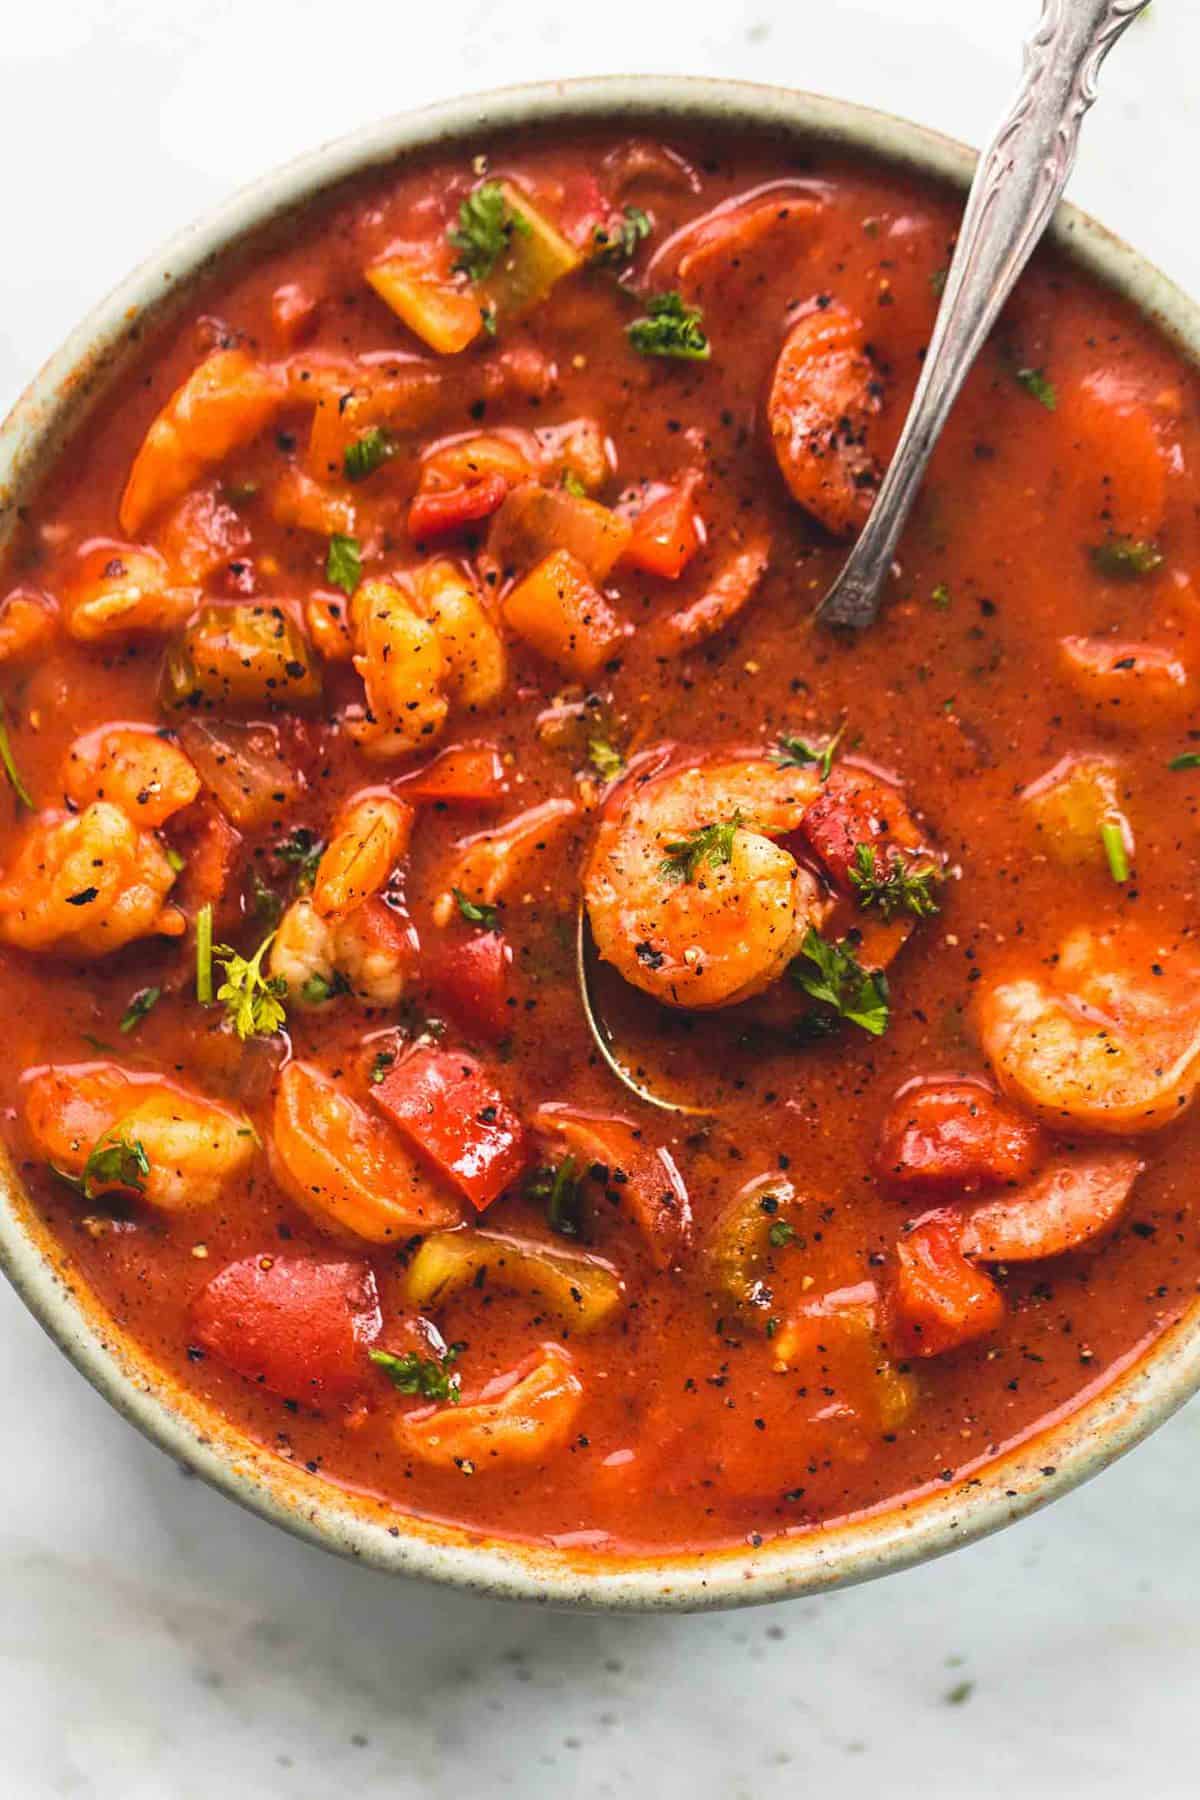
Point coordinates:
pixel 450 568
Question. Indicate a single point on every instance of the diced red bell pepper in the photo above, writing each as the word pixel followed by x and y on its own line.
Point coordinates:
pixel 667 533
pixel 939 1300
pixel 470 979
pixel 956 1135
pixel 462 775
pixel 438 514
pixel 295 1325
pixel 445 1105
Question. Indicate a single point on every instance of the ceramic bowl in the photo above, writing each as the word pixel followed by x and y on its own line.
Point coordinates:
pixel 1106 1424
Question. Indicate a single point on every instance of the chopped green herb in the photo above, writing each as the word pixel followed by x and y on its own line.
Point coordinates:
pixel 367 453
pixel 893 886
pixel 343 563
pixel 959 1693
pixel 841 982
pixel 476 912
pixel 605 758
pixel 10 763
pixel 427 1376
pixel 204 953
pixel 711 844
pixel 1037 383
pixel 319 988
pixel 780 1234
pixel 174 859
pixel 559 1188
pixel 937 281
pixel 669 328
pixel 490 323
pixel 115 1163
pixel 941 597
pixel 100 1044
pixel 253 1000
pixel 265 903
pixel 484 230
pixel 143 1002
pixel 1113 838
pixel 796 753
pixel 379 1068
pixel 301 851
pixel 572 485
pixel 1125 558
pixel 615 243
pixel 1190 759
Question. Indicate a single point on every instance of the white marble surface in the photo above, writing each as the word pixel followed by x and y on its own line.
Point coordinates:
pixel 156 1644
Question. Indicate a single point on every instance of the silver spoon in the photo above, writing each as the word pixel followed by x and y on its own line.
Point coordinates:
pixel 1017 185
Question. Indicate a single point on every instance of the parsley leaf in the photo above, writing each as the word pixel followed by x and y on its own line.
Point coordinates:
pixel 379 1068
pixel 1037 383
pixel 302 851
pixel 1125 558
pixel 427 1376
pixel 795 753
pixel 485 227
pixel 605 758
pixel 615 243
pixel 781 1234
pixel 670 328
pixel 252 999
pixel 571 484
pixel 367 452
pixel 839 980
pixel 319 988
pixel 1188 759
pixel 115 1163
pixel 893 885
pixel 560 1189
pixel 9 762
pixel 143 1001
pixel 343 563
pixel 711 844
pixel 941 597
pixel 476 912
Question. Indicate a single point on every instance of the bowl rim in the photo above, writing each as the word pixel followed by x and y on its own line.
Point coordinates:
pixel 1075 1444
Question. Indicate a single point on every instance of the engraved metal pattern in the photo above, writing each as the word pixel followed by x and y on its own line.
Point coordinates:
pixel 1018 183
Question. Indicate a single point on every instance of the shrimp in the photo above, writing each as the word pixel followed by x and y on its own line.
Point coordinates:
pixel 347 1167
pixel 688 896
pixel 370 835
pixel 824 393
pixel 489 865
pixel 523 1416
pixel 86 885
pixel 172 1148
pixel 121 589
pixel 403 667
pixel 302 954
pixel 28 624
pixel 133 766
pixel 222 406
pixel 1108 1039
pixel 476 663
pixel 368 953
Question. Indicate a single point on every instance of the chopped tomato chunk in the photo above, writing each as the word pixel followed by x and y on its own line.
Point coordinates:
pixel 470 978
pixel 433 515
pixel 445 1105
pixel 295 1325
pixel 668 532
pixel 940 1300
pixel 462 774
pixel 955 1135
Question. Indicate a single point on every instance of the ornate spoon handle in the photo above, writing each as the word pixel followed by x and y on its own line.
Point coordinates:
pixel 1017 185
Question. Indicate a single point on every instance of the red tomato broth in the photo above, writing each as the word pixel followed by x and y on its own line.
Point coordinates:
pixel 965 702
